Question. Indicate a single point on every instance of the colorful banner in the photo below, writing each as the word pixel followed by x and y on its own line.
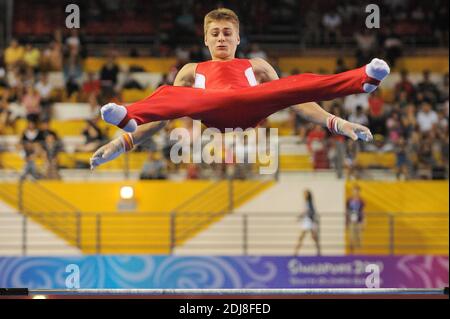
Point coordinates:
pixel 224 272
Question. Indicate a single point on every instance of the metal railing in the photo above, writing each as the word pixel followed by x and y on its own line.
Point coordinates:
pixel 215 202
pixel 246 234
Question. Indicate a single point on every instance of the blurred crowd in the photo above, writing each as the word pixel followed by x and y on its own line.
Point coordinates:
pixel 414 126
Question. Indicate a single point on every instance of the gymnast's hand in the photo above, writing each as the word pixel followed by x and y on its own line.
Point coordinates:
pixel 353 130
pixel 112 150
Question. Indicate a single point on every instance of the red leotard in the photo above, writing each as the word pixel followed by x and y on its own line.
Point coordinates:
pixel 229 96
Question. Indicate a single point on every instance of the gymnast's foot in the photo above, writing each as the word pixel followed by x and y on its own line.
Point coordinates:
pixel 377 70
pixel 117 115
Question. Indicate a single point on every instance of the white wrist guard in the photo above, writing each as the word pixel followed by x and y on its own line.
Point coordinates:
pixel 127 142
pixel 334 124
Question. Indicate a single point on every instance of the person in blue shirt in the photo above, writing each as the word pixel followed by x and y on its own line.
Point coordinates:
pixel 355 217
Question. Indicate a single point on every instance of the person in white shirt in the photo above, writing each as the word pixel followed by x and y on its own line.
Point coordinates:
pixel 426 118
pixel 351 102
pixel 359 116
pixel 332 22
pixel 45 88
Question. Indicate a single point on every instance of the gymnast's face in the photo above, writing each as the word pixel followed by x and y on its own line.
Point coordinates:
pixel 222 39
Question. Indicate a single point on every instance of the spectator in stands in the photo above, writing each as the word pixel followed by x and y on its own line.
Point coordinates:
pixel 90 87
pixel 359 116
pixel 426 118
pixel 402 163
pixel 73 42
pixel 3 79
pixel 425 157
pixel 28 77
pixel 331 22
pixel 93 138
pixel 355 218
pixel 14 54
pixel 44 127
pixel 52 147
pixel 45 89
pixel 317 145
pixel 32 57
pixel 310 223
pixel 6 118
pixel 337 147
pixel 353 169
pixel 154 167
pixel 413 146
pixel 109 77
pixel 443 89
pixel 442 121
pixel 393 47
pixel 52 57
pixel 31 146
pixel 428 88
pixel 376 113
pixel 354 100
pixel 366 46
pixel 299 125
pixel 131 83
pixel 409 120
pixel 15 84
pixel 394 127
pixel 401 100
pixel 438 138
pixel 312 26
pixel 380 144
pixel 404 85
pixel 32 101
pixel 73 73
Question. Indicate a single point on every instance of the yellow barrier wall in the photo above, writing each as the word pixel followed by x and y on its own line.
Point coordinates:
pixel 151 196
pixel 144 231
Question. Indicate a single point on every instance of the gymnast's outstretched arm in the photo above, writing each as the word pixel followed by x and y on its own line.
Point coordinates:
pixel 312 111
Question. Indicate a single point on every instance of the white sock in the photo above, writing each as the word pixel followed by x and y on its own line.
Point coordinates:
pixel 376 69
pixel 114 114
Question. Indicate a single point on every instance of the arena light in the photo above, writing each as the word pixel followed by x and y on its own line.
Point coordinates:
pixel 126 192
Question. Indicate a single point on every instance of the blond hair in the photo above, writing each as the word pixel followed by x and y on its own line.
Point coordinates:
pixel 221 14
